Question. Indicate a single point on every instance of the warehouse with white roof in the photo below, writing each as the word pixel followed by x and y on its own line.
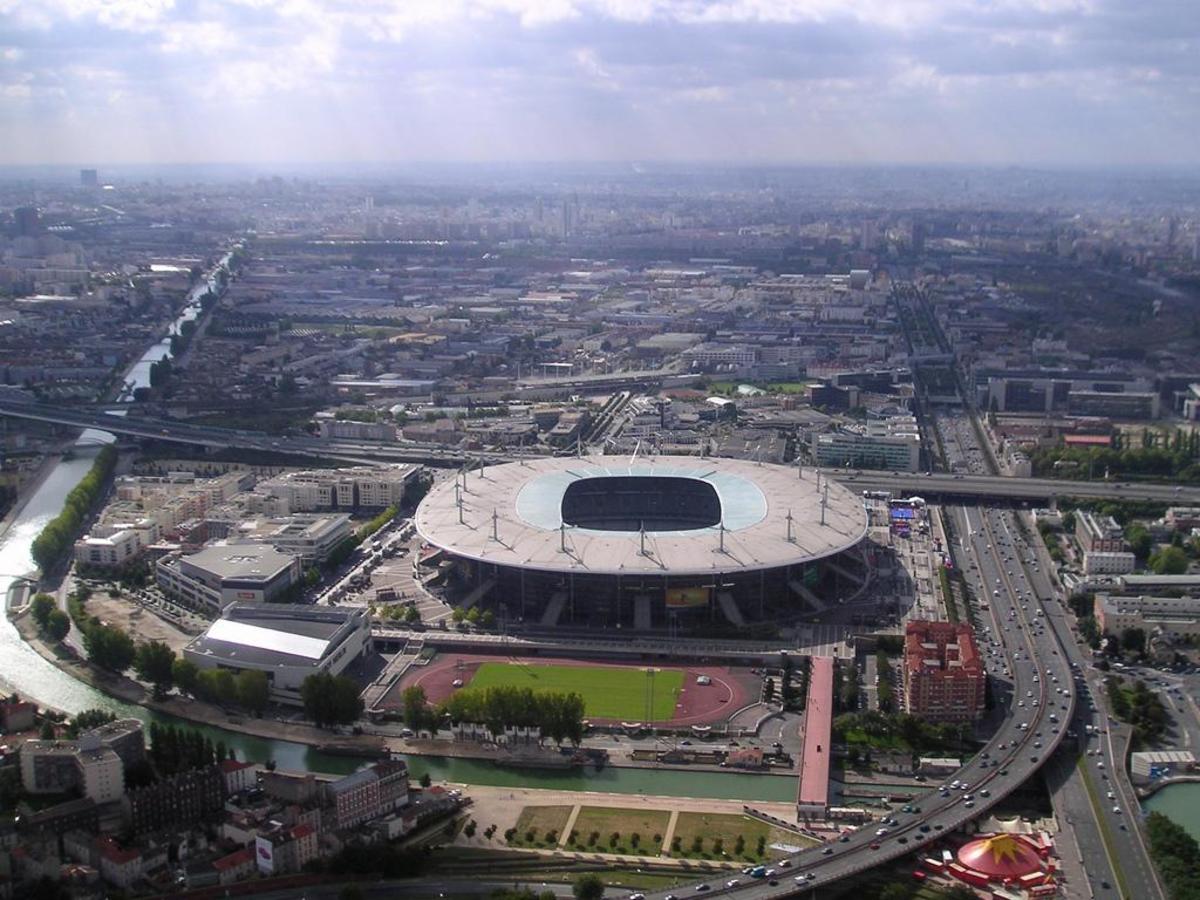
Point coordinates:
pixel 287 642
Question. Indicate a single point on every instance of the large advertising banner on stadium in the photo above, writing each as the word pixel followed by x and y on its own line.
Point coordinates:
pixel 681 598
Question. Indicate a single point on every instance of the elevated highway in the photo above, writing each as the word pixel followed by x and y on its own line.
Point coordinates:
pixel 1038 667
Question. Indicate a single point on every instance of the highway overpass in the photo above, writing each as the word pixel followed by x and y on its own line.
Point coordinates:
pixel 962 487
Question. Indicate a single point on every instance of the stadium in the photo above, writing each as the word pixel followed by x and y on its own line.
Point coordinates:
pixel 677 544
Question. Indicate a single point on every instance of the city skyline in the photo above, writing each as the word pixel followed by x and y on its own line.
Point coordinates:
pixel 1044 82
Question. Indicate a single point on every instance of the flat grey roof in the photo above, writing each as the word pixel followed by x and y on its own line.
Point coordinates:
pixel 260 561
pixel 525 499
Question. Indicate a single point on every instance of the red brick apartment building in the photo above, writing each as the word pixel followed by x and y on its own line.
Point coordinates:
pixel 944 675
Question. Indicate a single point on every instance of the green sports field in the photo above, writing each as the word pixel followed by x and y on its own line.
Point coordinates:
pixel 608 692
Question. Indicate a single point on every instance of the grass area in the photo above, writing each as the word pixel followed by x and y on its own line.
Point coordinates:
pixel 540 826
pixel 650 825
pixel 608 692
pixel 1105 832
pixel 717 836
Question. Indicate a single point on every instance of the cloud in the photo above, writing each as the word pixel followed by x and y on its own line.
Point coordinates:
pixel 1089 81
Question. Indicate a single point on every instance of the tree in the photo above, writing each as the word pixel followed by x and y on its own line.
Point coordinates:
pixel 1169 561
pixel 41 607
pixel 1133 640
pixel 895 890
pixel 109 647
pixel 1140 541
pixel 425 781
pixel 331 699
pixel 185 674
pixel 58 626
pixel 416 712
pixel 217 686
pixel 588 887
pixel 154 662
pixel 253 690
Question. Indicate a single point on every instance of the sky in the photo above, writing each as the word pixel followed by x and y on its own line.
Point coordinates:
pixel 1044 82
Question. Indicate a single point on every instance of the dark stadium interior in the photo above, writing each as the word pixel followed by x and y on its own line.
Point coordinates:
pixel 631 503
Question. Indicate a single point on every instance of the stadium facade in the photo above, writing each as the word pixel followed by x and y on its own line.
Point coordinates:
pixel 660 543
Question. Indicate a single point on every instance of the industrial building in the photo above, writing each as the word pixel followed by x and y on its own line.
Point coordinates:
pixel 287 642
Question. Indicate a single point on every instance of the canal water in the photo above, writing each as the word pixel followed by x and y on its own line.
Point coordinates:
pixel 1180 803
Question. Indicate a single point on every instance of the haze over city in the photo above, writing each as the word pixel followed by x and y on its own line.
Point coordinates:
pixel 1034 82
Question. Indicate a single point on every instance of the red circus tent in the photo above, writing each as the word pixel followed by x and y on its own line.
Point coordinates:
pixel 1001 857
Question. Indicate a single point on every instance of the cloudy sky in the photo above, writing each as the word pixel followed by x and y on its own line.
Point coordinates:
pixel 910 81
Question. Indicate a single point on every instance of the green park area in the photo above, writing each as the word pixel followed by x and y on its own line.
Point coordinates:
pixel 539 826
pixel 608 692
pixel 722 836
pixel 607 829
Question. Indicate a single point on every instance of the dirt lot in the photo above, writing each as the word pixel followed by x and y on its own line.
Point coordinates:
pixel 141 624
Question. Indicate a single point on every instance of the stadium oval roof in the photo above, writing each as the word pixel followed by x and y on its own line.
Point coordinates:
pixel 512 515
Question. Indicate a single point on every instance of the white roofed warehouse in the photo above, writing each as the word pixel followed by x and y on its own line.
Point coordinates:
pixel 287 642
pixel 657 543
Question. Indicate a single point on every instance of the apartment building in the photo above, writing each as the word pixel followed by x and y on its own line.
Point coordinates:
pixel 944 675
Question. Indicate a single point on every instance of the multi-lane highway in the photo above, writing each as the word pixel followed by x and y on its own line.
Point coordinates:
pixel 1029 664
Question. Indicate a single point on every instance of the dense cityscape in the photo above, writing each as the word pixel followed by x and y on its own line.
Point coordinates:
pixel 592 449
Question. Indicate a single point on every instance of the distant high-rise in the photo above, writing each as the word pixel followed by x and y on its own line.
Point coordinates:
pixel 568 218
pixel 28 222
pixel 918 237
pixel 870 235
pixel 89 178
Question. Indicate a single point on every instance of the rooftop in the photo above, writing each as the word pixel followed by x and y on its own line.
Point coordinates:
pixel 653 515
pixel 263 634
pixel 253 561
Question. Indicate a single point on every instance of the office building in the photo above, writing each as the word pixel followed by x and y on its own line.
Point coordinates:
pixel 887 447
pixel 224 573
pixel 944 676
pixel 89 178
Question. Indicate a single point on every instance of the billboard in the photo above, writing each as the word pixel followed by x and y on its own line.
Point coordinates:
pixel 681 598
pixel 264 855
